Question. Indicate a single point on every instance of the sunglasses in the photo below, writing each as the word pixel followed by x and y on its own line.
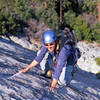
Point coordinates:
pixel 50 44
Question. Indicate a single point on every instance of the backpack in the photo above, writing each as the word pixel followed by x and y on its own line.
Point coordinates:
pixel 77 54
pixel 65 38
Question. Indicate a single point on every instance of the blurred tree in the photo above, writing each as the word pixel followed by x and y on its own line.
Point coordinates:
pixel 69 18
pixel 8 23
pixel 96 32
pixel 82 29
pixel 61 2
pixel 22 9
pixel 90 6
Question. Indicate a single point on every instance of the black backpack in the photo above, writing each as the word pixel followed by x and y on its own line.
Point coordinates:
pixel 77 54
pixel 69 37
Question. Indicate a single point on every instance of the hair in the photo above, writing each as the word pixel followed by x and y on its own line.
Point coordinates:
pixel 66 37
pixel 57 46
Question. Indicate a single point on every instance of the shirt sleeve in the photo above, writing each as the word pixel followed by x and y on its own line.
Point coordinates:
pixel 61 62
pixel 41 54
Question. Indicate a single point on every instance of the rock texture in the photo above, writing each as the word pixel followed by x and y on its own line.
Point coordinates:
pixel 90 51
pixel 31 86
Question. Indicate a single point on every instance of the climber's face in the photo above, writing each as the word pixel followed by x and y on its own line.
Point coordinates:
pixel 50 46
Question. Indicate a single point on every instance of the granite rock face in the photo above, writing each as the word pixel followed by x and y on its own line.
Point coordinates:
pixel 31 86
pixel 90 51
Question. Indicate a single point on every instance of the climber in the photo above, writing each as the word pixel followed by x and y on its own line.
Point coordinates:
pixel 56 62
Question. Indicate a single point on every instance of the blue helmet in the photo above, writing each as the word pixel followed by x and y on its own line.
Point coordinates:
pixel 49 36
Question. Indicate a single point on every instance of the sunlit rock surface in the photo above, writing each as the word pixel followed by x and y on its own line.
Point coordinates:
pixel 31 86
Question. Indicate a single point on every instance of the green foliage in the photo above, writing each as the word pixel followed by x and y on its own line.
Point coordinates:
pixel 38 12
pixel 19 7
pixel 50 17
pixel 8 23
pixel 97 61
pixel 98 75
pixel 67 4
pixel 69 18
pixel 82 30
pixel 13 14
pixel 96 32
pixel 39 0
pixel 90 6
pixel 22 9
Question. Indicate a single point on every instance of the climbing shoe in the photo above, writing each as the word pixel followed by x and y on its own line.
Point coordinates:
pixel 47 74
